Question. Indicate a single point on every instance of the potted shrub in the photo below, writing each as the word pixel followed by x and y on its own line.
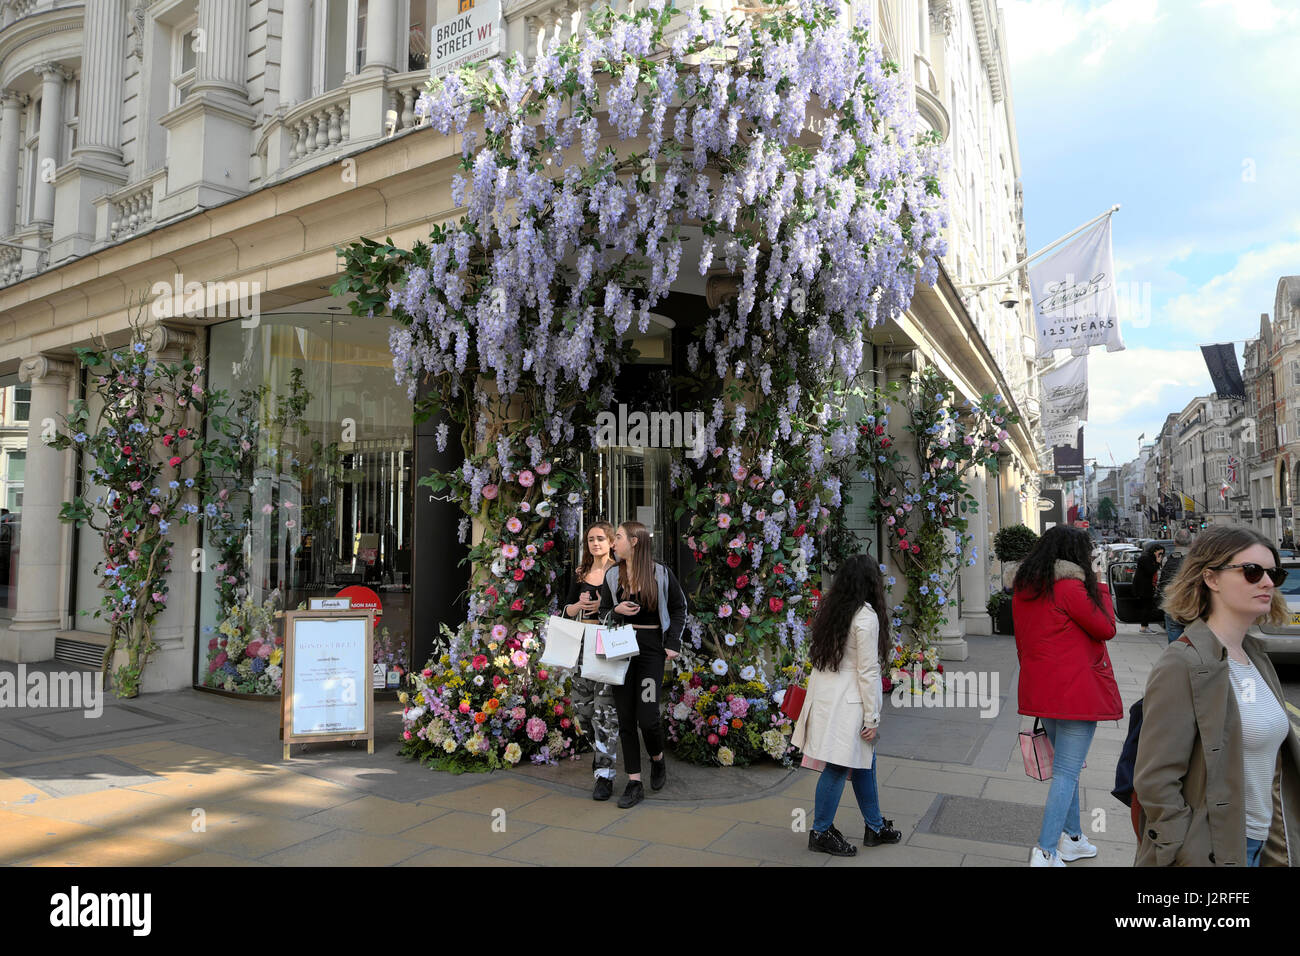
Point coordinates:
pixel 999 608
pixel 1011 545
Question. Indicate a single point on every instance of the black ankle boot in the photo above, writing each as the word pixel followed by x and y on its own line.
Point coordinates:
pixel 658 774
pixel 886 834
pixel 633 795
pixel 832 842
pixel 604 789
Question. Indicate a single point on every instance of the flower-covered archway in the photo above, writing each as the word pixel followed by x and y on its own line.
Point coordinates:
pixel 789 148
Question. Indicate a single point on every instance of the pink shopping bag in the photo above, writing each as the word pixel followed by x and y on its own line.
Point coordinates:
pixel 1037 752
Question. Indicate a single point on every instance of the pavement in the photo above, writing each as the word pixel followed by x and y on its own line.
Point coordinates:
pixel 186 778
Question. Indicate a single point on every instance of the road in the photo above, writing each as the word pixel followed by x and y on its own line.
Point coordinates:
pixel 1289 674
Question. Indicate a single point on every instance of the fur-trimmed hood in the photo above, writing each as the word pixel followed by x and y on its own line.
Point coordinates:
pixel 1068 569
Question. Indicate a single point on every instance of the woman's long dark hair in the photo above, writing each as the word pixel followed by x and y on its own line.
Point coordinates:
pixel 1036 576
pixel 857 582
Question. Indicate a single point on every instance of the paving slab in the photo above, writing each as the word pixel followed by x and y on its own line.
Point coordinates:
pixel 472 832
pixel 554 846
pixel 342 848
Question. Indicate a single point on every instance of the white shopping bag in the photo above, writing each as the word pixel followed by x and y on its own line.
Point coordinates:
pixel 563 641
pixel 597 668
pixel 617 643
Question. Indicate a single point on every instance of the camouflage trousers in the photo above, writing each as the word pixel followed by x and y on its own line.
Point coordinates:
pixel 598 721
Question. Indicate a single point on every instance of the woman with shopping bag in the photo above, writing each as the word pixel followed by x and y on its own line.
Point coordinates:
pixel 644 594
pixel 838 722
pixel 592 700
pixel 1063 619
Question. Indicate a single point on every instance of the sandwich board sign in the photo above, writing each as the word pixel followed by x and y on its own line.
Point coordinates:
pixel 326 691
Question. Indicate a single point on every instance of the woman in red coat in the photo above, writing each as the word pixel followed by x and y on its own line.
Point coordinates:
pixel 1063 619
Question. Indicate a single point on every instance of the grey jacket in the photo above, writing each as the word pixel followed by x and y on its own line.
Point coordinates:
pixel 672 603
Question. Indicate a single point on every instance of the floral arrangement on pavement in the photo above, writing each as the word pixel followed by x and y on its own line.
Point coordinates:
pixel 487 710
pixel 519 315
pixel 246 654
pixel 141 441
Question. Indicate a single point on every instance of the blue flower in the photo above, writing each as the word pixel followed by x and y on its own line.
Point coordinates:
pixel 189 482
pixel 210 510
pixel 173 484
pixel 896 622
pixel 164 526
pixel 883 569
pixel 934 576
pixel 139 346
pixel 942 600
pixel 892 580
pixel 79 437
pixel 155 492
pixel 925 589
pixel 971 562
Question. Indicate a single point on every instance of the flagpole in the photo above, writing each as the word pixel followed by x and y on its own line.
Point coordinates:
pixel 1048 248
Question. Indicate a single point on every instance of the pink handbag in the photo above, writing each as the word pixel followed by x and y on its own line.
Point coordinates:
pixel 1037 751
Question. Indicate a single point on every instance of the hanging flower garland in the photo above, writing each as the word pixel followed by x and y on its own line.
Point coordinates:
pixel 926 508
pixel 585 174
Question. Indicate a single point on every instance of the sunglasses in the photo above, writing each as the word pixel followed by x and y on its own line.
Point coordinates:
pixel 1253 572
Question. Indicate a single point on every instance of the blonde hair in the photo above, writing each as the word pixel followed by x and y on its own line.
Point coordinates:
pixel 1188 598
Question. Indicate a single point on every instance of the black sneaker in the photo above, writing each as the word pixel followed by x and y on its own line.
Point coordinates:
pixel 633 795
pixel 604 789
pixel 658 774
pixel 886 834
pixel 832 842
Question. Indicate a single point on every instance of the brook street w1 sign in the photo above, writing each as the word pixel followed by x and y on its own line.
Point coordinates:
pixel 467 37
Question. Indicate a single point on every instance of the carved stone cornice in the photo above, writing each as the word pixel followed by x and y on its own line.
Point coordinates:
pixel 43 369
pixel 8 97
pixel 137 17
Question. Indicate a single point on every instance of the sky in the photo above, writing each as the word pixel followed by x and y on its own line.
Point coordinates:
pixel 1184 113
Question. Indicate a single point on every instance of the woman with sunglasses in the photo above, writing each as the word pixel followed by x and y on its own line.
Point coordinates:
pixel 1218 762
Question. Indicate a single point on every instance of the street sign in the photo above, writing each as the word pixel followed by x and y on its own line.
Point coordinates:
pixel 470 36
pixel 1046 504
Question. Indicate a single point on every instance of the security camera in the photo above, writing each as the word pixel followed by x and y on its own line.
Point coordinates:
pixel 1009 298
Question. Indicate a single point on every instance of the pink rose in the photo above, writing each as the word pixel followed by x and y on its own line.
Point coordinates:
pixel 543 675
pixel 559 708
pixel 535 729
pixel 252 648
pixel 465 707
pixel 265 650
pixel 712 739
pixel 174 460
pixel 490 492
pixel 544 468
pixel 526 478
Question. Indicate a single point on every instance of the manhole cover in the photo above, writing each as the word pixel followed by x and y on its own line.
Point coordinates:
pixel 990 821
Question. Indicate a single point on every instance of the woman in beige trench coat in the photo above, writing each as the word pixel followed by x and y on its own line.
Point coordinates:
pixel 1217 773
pixel 841 713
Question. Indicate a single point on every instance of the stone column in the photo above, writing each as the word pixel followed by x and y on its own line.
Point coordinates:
pixel 11 104
pixel 295 52
pixel 381 37
pixel 102 56
pixel 52 77
pixel 172 665
pixel 975 580
pixel 899 364
pixel 222 61
pixel 41 565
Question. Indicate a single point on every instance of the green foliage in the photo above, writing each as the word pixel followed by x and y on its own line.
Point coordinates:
pixel 1014 542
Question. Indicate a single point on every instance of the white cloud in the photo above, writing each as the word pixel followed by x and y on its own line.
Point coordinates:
pixel 1037 28
pixel 1257 14
pixel 1131 392
pixel 1231 303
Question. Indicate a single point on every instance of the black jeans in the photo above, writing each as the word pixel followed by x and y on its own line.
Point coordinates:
pixel 637 700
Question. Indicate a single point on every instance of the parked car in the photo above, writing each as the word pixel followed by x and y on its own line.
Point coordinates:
pixel 1119 576
pixel 1283 643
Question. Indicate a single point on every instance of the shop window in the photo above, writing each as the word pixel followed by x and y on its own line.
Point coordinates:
pixel 22 403
pixel 423 17
pixel 323 498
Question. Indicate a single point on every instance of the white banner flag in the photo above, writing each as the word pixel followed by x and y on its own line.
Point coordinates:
pixel 1075 301
pixel 1065 434
pixel 1065 391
